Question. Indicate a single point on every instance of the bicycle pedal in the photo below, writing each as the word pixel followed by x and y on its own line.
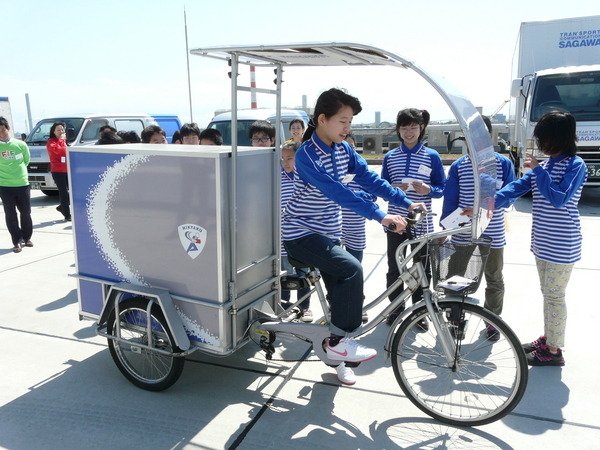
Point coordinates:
pixel 294 282
pixel 266 344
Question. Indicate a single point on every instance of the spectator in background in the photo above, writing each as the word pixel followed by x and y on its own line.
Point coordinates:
pixel 153 134
pixel 109 137
pixel 103 129
pixel 107 127
pixel 418 171
pixel 354 239
pixel 15 192
pixel 129 137
pixel 211 136
pixel 190 134
pixel 460 193
pixel 57 151
pixel 296 130
pixel 262 134
pixel 303 312
pixel 176 138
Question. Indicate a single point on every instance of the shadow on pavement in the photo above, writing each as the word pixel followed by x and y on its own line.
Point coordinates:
pixel 415 432
pixel 544 400
pixel 69 299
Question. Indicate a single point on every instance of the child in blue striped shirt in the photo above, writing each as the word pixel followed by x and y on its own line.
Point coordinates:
pixel 460 193
pixel 419 172
pixel 556 240
pixel 288 155
pixel 354 238
pixel 311 223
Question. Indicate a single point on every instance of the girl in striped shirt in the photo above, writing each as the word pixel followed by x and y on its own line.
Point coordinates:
pixel 460 193
pixel 354 238
pixel 419 172
pixel 288 151
pixel 311 223
pixel 556 239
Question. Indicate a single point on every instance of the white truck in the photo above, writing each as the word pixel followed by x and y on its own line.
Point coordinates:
pixel 82 129
pixel 556 66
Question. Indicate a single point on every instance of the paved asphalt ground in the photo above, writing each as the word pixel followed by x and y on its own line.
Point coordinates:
pixel 59 388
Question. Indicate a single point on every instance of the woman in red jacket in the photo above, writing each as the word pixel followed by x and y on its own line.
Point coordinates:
pixel 57 151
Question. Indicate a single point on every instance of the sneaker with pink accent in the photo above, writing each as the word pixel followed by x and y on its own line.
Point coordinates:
pixel 532 346
pixel 345 374
pixel 349 350
pixel 492 333
pixel 542 356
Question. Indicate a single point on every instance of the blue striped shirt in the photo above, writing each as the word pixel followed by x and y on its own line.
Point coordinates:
pixel 353 225
pixel 420 163
pixel 460 193
pixel 287 189
pixel 320 186
pixel 556 228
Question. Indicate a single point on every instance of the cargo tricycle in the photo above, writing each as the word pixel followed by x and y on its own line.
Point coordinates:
pixel 178 250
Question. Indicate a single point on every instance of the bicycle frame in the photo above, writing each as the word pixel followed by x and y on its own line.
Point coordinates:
pixel 411 277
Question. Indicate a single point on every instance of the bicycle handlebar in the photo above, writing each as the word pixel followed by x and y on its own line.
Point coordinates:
pixel 413 218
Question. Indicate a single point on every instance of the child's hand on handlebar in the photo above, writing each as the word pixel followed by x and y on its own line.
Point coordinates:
pixel 394 223
pixel 422 206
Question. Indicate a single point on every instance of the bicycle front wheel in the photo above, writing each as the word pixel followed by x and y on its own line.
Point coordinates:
pixel 485 380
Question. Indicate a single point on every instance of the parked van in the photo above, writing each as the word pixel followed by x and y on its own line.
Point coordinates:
pixel 246 117
pixel 169 123
pixel 83 129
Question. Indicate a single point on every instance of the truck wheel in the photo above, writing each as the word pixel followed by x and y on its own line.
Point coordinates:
pixel 144 367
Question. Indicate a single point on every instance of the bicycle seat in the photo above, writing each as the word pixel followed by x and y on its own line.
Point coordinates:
pixel 298 264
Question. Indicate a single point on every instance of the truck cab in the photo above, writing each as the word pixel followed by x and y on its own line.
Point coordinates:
pixel 570 89
pixel 82 129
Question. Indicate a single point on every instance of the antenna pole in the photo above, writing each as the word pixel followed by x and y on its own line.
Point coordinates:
pixel 187 57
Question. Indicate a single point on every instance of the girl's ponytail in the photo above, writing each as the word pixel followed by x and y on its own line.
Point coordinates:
pixel 310 128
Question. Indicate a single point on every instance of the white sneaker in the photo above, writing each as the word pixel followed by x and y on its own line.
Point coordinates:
pixel 307 316
pixel 292 315
pixel 349 350
pixel 345 374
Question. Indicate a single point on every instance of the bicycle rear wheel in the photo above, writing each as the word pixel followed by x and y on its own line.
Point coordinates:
pixel 487 379
pixel 145 368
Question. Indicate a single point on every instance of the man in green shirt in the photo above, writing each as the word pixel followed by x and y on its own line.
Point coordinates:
pixel 14 187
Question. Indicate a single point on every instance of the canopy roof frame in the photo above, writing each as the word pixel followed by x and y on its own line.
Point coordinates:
pixel 318 54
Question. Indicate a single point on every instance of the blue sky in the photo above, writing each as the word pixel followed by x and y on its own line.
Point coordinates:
pixel 129 55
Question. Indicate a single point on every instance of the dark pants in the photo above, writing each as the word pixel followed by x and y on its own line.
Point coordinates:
pixel 62 183
pixel 494 281
pixel 393 242
pixel 342 274
pixel 358 254
pixel 285 294
pixel 13 199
